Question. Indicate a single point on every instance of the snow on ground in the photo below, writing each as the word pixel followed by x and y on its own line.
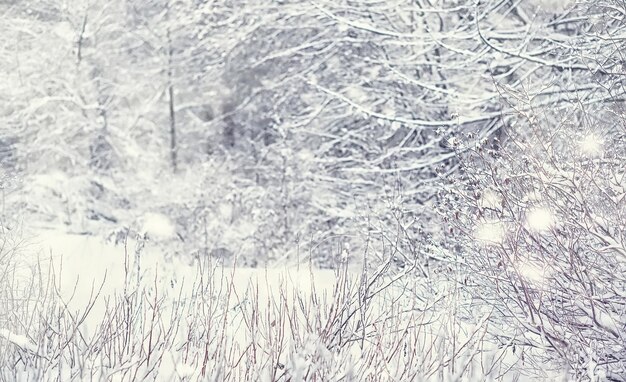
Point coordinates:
pixel 85 266
pixel 85 263
pixel 236 296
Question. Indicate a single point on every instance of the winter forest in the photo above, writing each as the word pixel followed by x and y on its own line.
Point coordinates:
pixel 323 190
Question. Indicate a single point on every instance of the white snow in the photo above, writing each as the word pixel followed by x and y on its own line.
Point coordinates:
pixel 81 262
pixel 19 340
pixel 490 199
pixel 226 211
pixel 85 259
pixel 158 226
pixel 532 196
pixel 553 6
pixel 490 232
pixel 65 31
pixel 184 370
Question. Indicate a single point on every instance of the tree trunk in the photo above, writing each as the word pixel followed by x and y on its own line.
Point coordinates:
pixel 173 148
pixel 170 90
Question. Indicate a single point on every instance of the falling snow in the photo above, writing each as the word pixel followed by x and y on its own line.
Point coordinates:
pixel 540 219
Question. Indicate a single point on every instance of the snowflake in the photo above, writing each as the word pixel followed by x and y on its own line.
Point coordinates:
pixel 533 272
pixel 591 145
pixel 540 219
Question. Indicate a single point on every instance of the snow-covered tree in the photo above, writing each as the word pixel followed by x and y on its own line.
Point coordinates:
pixel 536 219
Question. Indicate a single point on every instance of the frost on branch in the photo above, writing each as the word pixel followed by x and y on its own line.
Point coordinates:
pixel 557 270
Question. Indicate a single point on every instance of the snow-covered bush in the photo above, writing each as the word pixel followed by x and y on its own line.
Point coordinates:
pixel 540 229
pixel 536 213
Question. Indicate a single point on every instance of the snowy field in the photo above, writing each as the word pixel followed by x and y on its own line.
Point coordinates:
pixel 182 321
